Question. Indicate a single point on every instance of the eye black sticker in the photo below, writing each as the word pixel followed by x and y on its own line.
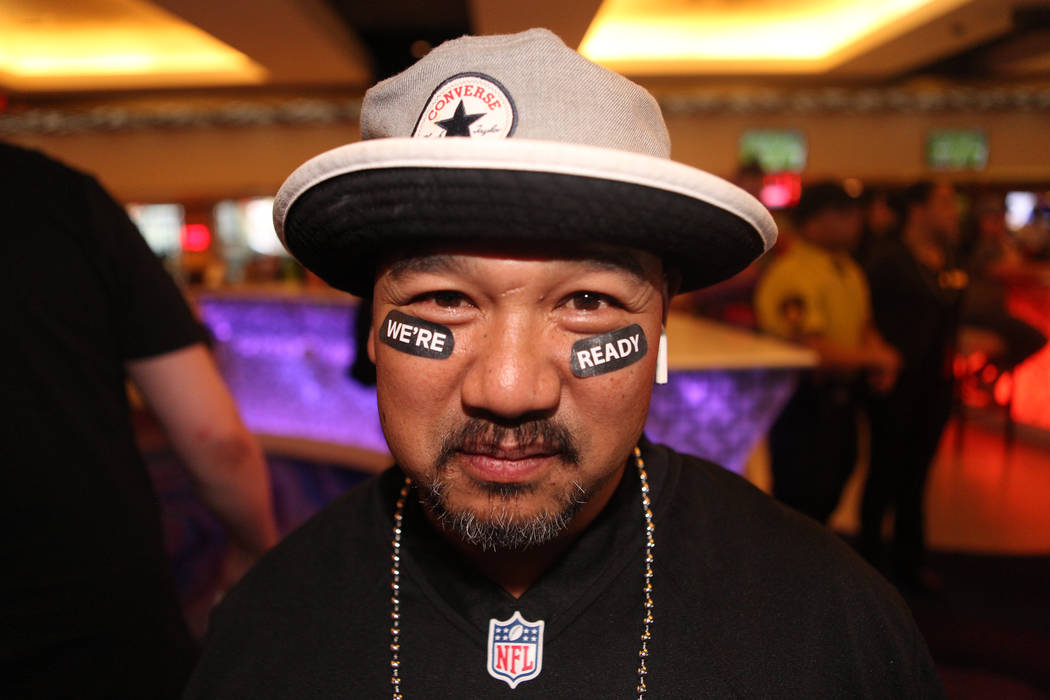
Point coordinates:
pixel 416 336
pixel 608 351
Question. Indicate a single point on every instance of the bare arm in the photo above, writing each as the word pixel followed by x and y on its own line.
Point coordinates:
pixel 189 398
pixel 883 375
pixel 868 355
pixel 838 357
pixel 874 356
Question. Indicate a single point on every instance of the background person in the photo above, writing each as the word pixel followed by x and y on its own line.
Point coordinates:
pixel 880 219
pixel 989 257
pixel 817 295
pixel 89 608
pixel 916 291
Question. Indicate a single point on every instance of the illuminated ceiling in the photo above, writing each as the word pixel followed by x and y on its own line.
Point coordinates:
pixel 70 46
pixel 868 40
pixel 59 46
pixel 92 44
pixel 751 36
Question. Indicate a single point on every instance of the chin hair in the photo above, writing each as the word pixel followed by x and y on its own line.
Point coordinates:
pixel 501 530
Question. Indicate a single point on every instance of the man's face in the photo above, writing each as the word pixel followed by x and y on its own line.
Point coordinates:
pixel 838 228
pixel 501 436
pixel 942 212
pixel 881 219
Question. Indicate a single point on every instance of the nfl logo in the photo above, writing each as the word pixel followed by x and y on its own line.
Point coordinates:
pixel 515 650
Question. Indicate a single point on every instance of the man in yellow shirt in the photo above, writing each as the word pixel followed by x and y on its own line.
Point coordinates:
pixel 817 295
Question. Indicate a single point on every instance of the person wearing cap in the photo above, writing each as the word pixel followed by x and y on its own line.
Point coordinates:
pixel 817 295
pixel 513 215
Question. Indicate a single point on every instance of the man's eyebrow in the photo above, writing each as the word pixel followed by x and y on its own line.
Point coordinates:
pixel 622 260
pixel 426 263
pixel 597 258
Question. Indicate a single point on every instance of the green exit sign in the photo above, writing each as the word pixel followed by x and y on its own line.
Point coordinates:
pixel 957 149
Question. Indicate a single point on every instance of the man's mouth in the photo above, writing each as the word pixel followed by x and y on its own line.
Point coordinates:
pixel 521 453
pixel 511 452
pixel 508 463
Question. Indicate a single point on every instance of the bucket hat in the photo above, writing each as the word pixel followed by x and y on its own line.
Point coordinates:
pixel 513 139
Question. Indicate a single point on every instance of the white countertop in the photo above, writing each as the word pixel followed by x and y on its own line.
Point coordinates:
pixel 695 343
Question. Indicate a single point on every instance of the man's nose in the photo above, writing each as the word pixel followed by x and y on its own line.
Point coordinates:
pixel 512 373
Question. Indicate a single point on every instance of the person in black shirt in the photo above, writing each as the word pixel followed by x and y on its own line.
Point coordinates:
pixel 513 215
pixel 89 608
pixel 915 295
pixel 989 255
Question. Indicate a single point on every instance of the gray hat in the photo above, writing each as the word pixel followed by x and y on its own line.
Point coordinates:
pixel 551 149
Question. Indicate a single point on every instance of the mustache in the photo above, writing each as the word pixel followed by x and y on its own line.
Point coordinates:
pixel 478 434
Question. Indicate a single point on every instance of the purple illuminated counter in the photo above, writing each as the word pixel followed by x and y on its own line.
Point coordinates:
pixel 286 360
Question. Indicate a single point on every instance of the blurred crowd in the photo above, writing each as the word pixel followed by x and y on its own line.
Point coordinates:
pixel 889 286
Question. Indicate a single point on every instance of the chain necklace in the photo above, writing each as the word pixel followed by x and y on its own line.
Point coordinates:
pixel 647 588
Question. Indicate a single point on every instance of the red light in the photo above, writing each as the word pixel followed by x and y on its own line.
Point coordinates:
pixel 989 373
pixel 1004 389
pixel 195 238
pixel 781 190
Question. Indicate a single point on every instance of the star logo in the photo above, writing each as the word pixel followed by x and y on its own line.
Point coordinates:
pixel 459 124
pixel 460 101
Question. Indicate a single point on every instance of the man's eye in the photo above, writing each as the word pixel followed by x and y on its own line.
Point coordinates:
pixel 447 299
pixel 587 301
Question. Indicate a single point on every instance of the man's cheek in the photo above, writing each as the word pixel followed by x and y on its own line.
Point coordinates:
pixel 608 352
pixel 414 336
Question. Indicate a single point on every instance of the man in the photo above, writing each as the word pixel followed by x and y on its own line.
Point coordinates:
pixel 89 607
pixel 531 543
pixel 916 293
pixel 989 257
pixel 815 294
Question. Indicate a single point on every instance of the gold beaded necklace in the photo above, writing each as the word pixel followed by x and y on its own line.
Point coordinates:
pixel 647 587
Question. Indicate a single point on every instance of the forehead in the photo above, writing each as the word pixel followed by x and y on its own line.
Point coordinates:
pixel 469 260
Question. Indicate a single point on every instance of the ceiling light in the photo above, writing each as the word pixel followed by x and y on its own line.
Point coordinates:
pixel 96 44
pixel 672 36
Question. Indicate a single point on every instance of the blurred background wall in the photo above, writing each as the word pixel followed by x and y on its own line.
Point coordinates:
pixel 194 163
pixel 109 85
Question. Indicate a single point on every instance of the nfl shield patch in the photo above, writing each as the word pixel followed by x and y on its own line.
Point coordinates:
pixel 515 649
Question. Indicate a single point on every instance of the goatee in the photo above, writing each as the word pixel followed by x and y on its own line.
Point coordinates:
pixel 502 529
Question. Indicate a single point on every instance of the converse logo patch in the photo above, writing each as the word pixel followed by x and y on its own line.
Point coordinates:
pixel 472 105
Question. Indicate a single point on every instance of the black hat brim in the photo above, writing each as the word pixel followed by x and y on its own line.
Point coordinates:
pixel 340 221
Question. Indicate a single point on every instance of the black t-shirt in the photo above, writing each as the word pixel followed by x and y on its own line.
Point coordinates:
pixel 915 310
pixel 751 600
pixel 80 530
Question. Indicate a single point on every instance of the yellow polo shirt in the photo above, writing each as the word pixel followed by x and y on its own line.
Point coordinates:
pixel 810 291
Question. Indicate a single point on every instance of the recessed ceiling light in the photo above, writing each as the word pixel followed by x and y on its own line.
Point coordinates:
pixel 771 36
pixel 93 44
